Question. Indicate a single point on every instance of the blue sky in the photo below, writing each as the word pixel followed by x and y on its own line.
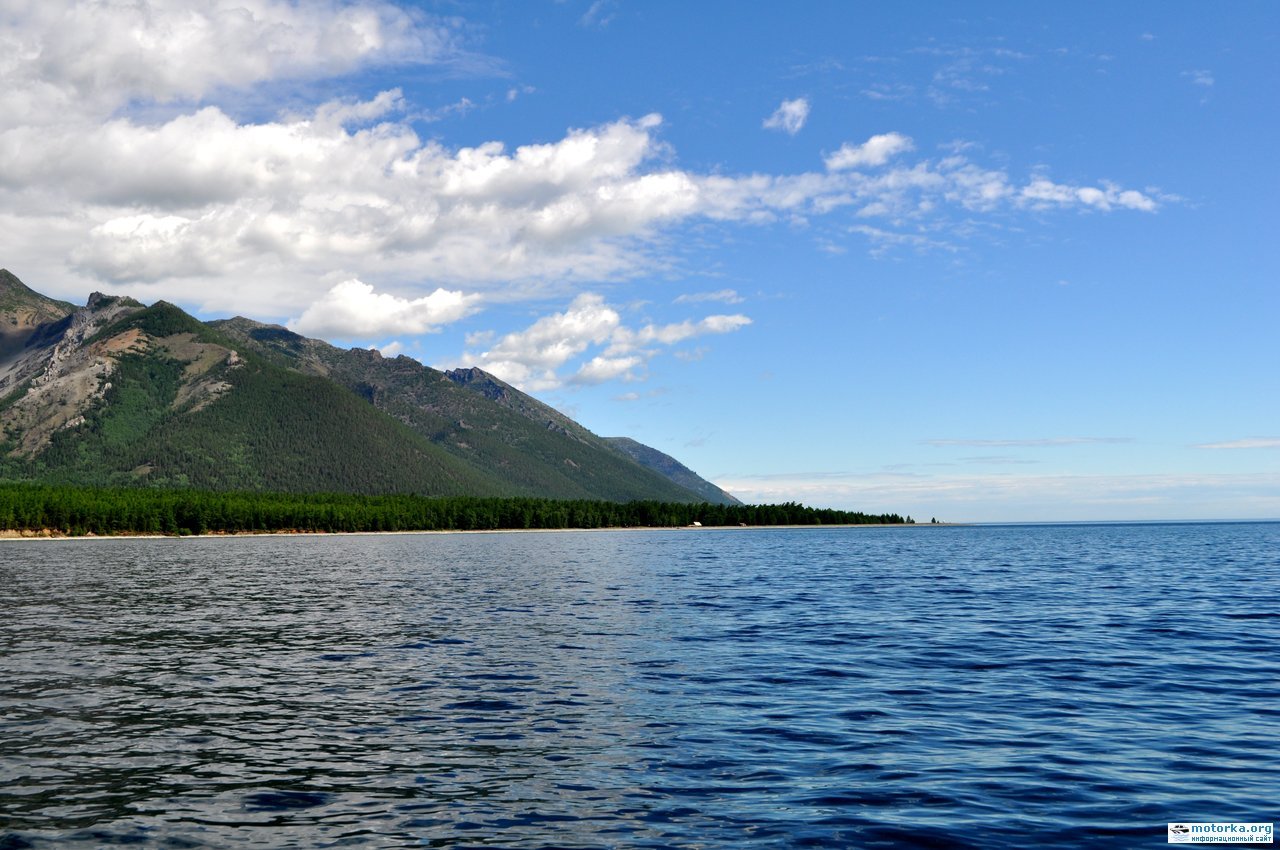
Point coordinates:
pixel 997 262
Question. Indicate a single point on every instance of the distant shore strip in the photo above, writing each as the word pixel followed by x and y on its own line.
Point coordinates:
pixel 31 510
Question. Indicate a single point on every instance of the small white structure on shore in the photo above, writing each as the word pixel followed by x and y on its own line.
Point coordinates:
pixel 695 524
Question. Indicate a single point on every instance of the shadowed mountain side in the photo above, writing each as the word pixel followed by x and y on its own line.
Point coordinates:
pixel 535 450
pixel 668 467
pixel 24 313
pixel 497 390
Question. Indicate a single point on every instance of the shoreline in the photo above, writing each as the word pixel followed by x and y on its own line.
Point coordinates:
pixel 9 535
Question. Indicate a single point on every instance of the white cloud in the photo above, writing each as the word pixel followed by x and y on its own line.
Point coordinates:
pixel 532 359
pixel 340 113
pixel 883 241
pixel 93 57
pixel 352 310
pixel 516 91
pixel 876 150
pixel 264 216
pixel 271 208
pixel 600 369
pixel 459 107
pixel 1039 442
pixel 889 91
pixel 726 296
pixel 1200 77
pixel 789 117
pixel 1022 498
pixel 1246 443
pixel 1041 193
pixel 626 340
pixel 599 14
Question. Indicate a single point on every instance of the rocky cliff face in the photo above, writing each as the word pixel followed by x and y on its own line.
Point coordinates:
pixel 64 369
pixel 23 312
pixel 54 377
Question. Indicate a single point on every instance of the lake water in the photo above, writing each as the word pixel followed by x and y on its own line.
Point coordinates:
pixel 930 687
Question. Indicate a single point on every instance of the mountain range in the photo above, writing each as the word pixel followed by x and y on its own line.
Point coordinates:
pixel 120 393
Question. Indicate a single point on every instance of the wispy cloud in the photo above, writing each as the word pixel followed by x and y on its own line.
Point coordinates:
pixel 459 107
pixel 516 91
pixel 884 241
pixel 724 296
pixel 1199 77
pixel 1246 443
pixel 997 460
pixel 968 72
pixel 889 91
pixel 789 117
pixel 1040 442
pixel 599 14
pixel 992 497
pixel 1202 80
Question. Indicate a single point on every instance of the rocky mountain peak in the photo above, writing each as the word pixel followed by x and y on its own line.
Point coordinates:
pixel 479 380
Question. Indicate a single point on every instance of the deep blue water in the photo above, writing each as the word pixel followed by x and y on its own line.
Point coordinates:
pixel 1050 686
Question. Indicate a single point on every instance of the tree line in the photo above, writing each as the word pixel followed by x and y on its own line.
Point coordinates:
pixel 77 511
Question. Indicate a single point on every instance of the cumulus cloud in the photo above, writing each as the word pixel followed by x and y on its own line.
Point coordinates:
pixel 197 205
pixel 875 151
pixel 600 369
pixel 533 358
pixel 93 57
pixel 352 310
pixel 530 358
pixel 1042 193
pixel 252 216
pixel 789 117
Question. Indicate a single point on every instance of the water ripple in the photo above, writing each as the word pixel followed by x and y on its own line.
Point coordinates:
pixel 950 687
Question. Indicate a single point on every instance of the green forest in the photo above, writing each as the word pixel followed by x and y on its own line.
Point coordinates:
pixel 78 511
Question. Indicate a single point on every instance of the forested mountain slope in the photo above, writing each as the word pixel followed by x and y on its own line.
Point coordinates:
pixel 116 393
pixel 122 394
pixel 553 457
pixel 672 469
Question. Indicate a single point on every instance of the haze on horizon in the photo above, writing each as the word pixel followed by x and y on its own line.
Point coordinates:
pixel 994 263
